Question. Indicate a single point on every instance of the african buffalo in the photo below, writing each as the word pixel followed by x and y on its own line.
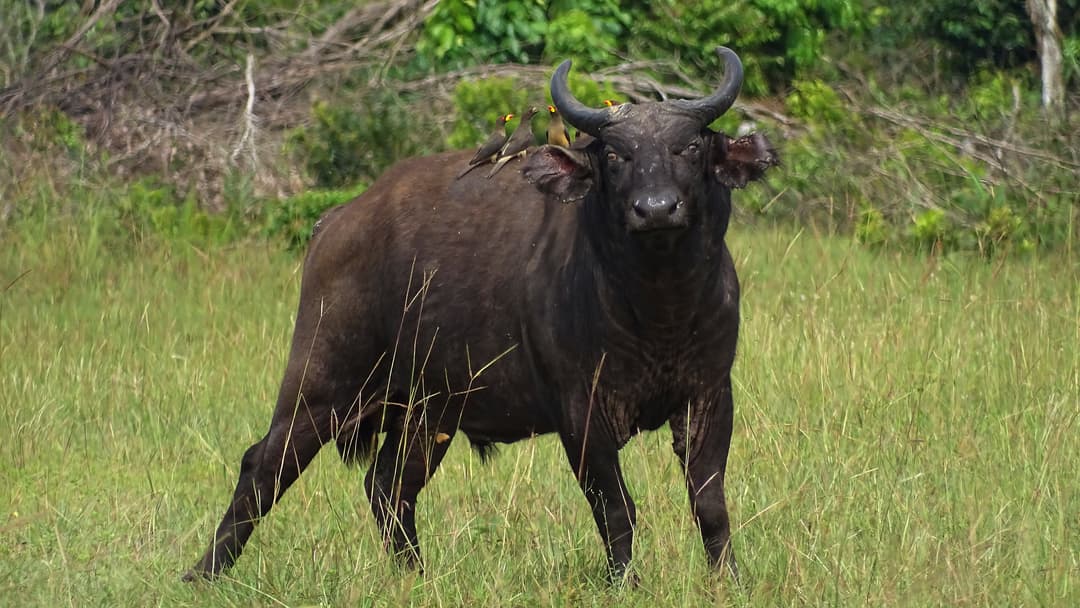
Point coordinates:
pixel 584 291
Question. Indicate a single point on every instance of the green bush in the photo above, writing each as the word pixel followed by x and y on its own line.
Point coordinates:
pixel 872 228
pixel 50 131
pixel 344 144
pixel 461 32
pixel 967 35
pixel 116 217
pixel 820 108
pixel 464 32
pixel 778 40
pixel 1071 59
pixel 291 219
pixel 479 103
pixel 149 206
pixel 592 32
pixel 926 186
pixel 930 229
pixel 1001 228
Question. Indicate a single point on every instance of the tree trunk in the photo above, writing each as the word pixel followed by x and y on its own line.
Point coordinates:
pixel 1048 36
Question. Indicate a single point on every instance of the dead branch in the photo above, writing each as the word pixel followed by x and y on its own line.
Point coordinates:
pixel 957 136
pixel 960 139
pixel 62 51
pixel 213 23
pixel 378 13
pixel 247 138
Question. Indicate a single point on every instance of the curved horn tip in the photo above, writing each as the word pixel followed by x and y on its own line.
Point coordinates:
pixel 729 56
pixel 575 113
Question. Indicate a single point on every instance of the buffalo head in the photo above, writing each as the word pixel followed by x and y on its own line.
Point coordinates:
pixel 655 165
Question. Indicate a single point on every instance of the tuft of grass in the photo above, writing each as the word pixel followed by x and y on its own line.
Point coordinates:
pixel 905 435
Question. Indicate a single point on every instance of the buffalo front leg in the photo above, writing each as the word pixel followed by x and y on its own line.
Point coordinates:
pixel 701 437
pixel 405 462
pixel 594 459
pixel 268 468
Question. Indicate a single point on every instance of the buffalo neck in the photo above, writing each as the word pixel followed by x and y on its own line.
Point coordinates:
pixel 649 281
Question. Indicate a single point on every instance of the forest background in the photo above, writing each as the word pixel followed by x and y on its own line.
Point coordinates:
pixel 933 126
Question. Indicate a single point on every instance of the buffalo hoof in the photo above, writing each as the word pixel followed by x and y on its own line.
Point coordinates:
pixel 195 575
pixel 409 559
pixel 623 576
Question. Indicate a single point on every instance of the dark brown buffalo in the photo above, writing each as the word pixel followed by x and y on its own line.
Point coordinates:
pixel 583 292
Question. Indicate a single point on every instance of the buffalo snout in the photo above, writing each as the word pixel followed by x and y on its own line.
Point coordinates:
pixel 658 210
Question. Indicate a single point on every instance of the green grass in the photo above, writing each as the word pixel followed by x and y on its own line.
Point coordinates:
pixel 905 435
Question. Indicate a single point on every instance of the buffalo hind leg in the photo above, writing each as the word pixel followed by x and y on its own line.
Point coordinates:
pixel 701 436
pixel 594 459
pixel 406 461
pixel 299 428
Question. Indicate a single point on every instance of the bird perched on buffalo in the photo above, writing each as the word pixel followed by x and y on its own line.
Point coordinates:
pixel 519 142
pixel 582 140
pixel 557 135
pixel 489 150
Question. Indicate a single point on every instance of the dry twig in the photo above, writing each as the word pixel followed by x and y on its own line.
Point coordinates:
pixel 247 138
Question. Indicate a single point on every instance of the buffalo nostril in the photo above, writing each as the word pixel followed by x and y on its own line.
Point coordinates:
pixel 654 207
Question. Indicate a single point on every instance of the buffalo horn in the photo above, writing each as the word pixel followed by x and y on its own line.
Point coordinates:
pixel 579 115
pixel 711 107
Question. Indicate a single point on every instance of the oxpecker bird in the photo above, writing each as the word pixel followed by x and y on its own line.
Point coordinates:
pixel 557 134
pixel 519 142
pixel 490 148
pixel 583 140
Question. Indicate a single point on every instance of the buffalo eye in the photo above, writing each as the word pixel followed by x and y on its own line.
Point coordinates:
pixel 691 150
pixel 614 161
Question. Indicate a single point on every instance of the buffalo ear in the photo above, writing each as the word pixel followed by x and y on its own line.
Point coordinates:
pixel 737 162
pixel 561 172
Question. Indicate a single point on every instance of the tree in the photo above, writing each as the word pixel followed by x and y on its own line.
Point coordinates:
pixel 1048 38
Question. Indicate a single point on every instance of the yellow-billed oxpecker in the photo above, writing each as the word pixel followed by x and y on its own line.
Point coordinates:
pixel 490 148
pixel 519 142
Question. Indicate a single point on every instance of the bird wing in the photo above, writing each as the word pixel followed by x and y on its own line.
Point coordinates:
pixel 520 140
pixel 489 147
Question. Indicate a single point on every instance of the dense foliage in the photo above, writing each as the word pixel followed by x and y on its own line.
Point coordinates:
pixel 902 124
pixel 983 32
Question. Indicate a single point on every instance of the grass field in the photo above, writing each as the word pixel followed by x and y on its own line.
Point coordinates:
pixel 906 434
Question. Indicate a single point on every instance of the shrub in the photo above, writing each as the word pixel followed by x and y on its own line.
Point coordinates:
pixel 460 32
pixel 463 32
pixel 344 144
pixel 477 105
pixel 872 228
pixel 779 40
pixel 929 180
pixel 150 207
pixel 291 219
pixel 592 32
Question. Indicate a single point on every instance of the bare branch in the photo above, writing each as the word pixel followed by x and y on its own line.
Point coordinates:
pixel 951 134
pixel 213 23
pixel 247 139
pixel 63 51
